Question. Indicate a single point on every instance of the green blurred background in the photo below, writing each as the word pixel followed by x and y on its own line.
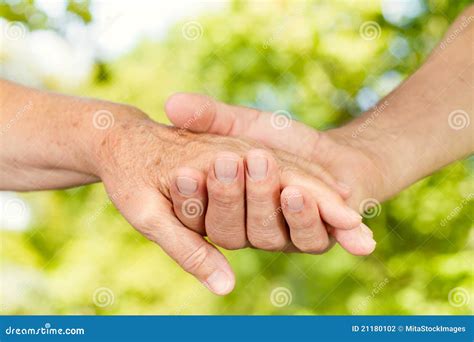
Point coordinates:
pixel 70 252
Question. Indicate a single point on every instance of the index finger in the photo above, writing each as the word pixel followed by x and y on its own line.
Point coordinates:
pixel 152 215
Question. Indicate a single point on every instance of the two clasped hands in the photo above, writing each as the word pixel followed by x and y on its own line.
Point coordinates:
pixel 235 174
pixel 242 182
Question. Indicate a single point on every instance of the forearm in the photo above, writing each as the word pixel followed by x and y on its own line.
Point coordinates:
pixel 424 124
pixel 50 140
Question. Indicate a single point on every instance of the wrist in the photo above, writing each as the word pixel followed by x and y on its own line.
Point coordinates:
pixel 102 121
pixel 371 172
pixel 57 141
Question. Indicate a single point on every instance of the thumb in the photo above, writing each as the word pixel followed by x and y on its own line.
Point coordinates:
pixel 203 114
pixel 200 113
pixel 152 215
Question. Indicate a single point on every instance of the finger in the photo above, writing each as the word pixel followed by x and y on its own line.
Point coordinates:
pixel 316 170
pixel 189 197
pixel 291 248
pixel 225 217
pixel 152 215
pixel 266 228
pixel 332 208
pixel 307 231
pixel 200 113
pixel 358 241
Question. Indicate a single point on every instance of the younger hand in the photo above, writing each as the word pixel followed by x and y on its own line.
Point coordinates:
pixel 353 166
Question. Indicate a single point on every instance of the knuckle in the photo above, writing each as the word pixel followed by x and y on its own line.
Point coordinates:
pixel 269 241
pixel 225 225
pixel 228 199
pixel 196 259
pixel 289 170
pixel 305 223
pixel 265 232
pixel 148 225
pixel 313 246
pixel 227 239
pixel 262 195
pixel 230 244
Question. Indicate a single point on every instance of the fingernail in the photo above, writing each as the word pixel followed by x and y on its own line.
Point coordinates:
pixel 257 166
pixel 226 170
pixel 366 230
pixel 218 282
pixel 366 238
pixel 295 202
pixel 186 185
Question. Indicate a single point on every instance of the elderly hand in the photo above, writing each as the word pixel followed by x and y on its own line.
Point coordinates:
pixel 55 141
pixel 137 160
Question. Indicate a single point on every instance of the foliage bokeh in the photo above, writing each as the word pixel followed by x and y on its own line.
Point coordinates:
pixel 304 57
